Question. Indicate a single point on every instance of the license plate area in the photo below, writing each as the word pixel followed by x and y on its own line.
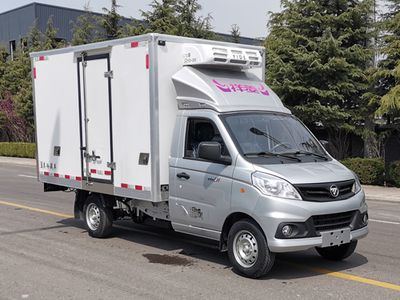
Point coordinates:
pixel 335 237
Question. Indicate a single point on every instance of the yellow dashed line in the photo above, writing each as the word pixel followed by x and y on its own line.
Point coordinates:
pixel 304 267
pixel 44 211
pixel 347 276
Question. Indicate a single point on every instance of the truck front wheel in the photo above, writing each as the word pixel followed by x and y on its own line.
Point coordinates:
pixel 338 252
pixel 98 218
pixel 248 249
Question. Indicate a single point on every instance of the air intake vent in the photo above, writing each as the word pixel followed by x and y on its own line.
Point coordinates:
pixel 219 59
pixel 220 54
pixel 254 58
pixel 333 221
pixel 236 61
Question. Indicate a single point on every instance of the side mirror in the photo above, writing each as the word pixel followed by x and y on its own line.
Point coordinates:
pixel 212 151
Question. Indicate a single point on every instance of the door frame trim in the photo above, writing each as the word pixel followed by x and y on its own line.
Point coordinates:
pixel 79 61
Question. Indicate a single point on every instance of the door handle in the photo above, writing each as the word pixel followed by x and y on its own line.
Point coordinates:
pixel 183 175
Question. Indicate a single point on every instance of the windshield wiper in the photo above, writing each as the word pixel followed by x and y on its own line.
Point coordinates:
pixel 309 153
pixel 257 131
pixel 273 154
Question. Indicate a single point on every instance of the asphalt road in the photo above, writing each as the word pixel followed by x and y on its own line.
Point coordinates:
pixel 45 254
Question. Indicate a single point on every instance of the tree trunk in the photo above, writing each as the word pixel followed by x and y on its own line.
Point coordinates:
pixel 371 143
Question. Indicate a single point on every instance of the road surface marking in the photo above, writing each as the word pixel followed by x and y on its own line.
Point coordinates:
pixel 27 176
pixel 49 212
pixel 341 275
pixel 385 222
pixel 346 276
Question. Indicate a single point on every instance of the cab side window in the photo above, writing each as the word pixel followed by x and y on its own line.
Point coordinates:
pixel 201 130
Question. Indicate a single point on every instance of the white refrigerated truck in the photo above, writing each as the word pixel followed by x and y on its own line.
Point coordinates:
pixel 186 131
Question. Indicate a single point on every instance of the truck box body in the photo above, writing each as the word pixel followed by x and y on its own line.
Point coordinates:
pixel 128 98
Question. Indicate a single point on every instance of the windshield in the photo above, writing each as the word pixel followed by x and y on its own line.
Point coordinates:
pixel 275 135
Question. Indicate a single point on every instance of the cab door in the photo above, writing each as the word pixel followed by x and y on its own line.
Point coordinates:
pixel 200 197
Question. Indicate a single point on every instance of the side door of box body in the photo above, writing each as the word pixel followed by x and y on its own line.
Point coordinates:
pixel 96 130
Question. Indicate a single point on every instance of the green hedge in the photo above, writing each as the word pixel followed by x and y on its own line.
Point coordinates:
pixel 27 150
pixel 394 173
pixel 369 170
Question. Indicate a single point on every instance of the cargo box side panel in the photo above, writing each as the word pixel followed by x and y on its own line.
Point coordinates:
pixel 170 61
pixel 131 120
pixel 57 119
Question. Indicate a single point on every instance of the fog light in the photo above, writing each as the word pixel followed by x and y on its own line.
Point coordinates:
pixel 287 230
pixel 365 219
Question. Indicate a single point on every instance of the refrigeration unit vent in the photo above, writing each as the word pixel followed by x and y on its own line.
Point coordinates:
pixel 222 56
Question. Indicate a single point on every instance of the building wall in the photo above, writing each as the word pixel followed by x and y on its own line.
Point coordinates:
pixel 15 24
pixel 63 19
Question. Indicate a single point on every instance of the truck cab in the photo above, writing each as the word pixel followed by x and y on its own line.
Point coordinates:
pixel 247 160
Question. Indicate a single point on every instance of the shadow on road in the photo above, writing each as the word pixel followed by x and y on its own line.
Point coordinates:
pixel 33 230
pixel 288 266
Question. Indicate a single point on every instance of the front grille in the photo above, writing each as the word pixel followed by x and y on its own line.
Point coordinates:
pixel 320 192
pixel 333 221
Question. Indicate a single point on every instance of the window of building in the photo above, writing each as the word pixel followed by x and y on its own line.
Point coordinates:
pixel 13 47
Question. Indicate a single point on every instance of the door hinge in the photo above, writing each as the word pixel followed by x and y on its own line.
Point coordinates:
pixel 109 74
pixel 112 165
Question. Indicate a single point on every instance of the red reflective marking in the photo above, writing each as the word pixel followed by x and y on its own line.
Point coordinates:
pixel 138 187
pixel 94 171
pixel 34 73
pixel 42 58
pixel 147 61
pixel 124 185
pixel 46 173
pixel 56 175
pixel 78 178
pixel 134 44
pixel 107 172
pixel 67 177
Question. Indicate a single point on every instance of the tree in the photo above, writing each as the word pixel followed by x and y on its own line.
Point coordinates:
pixel 177 17
pixel 191 25
pixel 16 86
pixel 110 22
pixel 161 17
pixel 13 127
pixel 133 28
pixel 389 68
pixel 50 36
pixel 235 33
pixel 317 55
pixel 85 30
pixel 35 37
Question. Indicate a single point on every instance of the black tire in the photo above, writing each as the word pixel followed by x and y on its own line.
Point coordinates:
pixel 338 252
pixel 98 218
pixel 261 260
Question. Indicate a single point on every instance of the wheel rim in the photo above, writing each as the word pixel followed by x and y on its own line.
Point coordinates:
pixel 93 216
pixel 245 248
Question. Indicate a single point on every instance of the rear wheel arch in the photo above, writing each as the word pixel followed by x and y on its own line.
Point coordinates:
pixel 80 199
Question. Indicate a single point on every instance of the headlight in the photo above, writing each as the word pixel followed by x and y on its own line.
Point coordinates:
pixel 274 186
pixel 356 185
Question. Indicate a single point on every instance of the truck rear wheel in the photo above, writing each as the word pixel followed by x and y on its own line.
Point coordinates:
pixel 248 250
pixel 337 252
pixel 98 218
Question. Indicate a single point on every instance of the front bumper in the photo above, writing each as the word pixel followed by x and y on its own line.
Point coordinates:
pixel 272 212
pixel 282 245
